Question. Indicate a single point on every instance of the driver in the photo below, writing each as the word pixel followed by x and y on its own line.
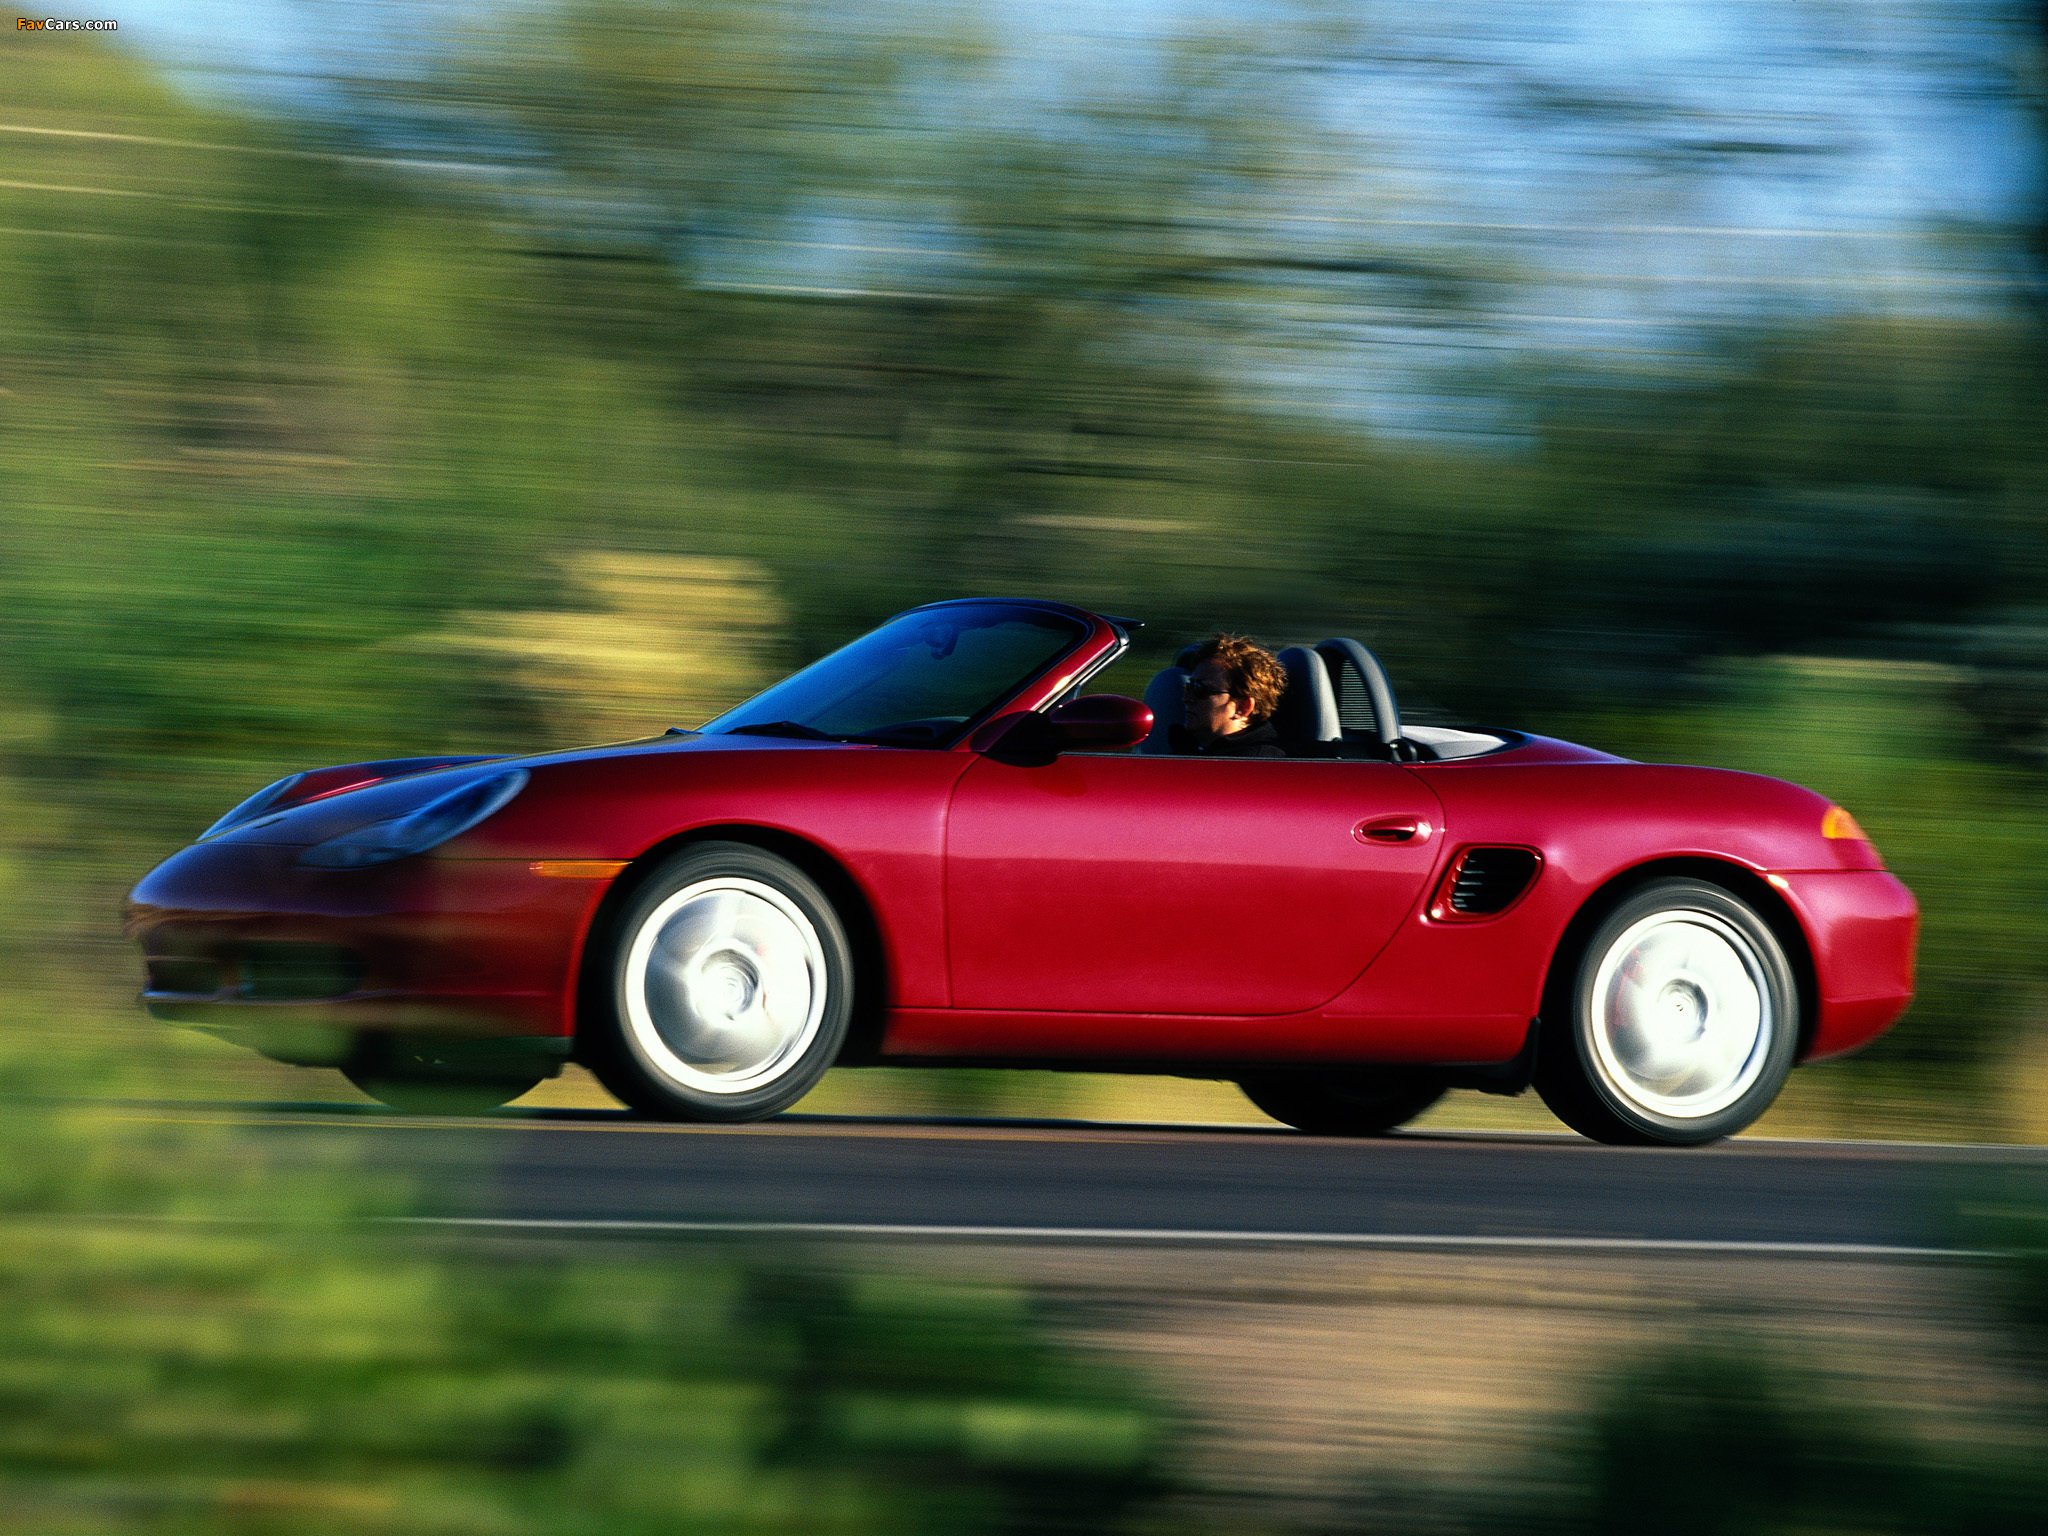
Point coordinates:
pixel 1232 689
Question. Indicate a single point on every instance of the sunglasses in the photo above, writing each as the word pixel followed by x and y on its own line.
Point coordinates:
pixel 1200 690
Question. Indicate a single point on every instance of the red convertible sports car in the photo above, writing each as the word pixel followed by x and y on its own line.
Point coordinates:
pixel 933 848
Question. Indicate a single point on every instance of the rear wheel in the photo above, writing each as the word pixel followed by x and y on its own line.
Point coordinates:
pixel 730 988
pixel 1680 1024
pixel 1356 1103
pixel 408 1075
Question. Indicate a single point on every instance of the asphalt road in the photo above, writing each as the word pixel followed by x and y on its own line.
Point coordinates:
pixel 596 1172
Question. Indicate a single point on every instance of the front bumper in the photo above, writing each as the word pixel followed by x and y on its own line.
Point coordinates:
pixel 243 943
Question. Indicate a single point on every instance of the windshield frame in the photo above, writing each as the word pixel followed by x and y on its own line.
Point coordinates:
pixel 1097 643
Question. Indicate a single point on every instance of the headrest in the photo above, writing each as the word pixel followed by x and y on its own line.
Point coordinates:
pixel 1167 698
pixel 1308 709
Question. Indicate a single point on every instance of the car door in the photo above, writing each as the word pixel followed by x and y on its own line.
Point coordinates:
pixel 1178 885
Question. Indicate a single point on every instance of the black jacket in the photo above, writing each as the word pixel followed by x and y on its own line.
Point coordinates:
pixel 1259 740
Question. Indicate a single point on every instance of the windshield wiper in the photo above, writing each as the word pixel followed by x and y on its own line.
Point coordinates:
pixel 782 728
pixel 915 734
pixel 911 732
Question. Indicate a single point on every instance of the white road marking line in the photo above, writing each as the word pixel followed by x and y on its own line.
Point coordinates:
pixel 258 1113
pixel 1191 1235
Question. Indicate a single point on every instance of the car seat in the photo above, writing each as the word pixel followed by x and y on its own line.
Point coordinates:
pixel 1306 720
pixel 1166 696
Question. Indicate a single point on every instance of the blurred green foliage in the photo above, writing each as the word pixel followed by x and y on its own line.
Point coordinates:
pixel 201 1331
pixel 1715 1438
pixel 1728 1434
pixel 1746 1426
pixel 299 1377
pixel 1727 1437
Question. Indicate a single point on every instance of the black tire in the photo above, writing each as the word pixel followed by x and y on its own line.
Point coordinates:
pixel 722 989
pixel 408 1075
pixel 1343 1103
pixel 1678 1024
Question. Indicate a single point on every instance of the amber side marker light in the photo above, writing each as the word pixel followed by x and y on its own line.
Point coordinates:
pixel 1840 824
pixel 577 869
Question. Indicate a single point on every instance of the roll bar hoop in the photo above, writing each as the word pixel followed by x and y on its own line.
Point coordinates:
pixel 1386 718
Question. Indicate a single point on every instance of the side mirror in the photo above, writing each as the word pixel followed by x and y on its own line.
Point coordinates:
pixel 1102 722
pixel 1109 722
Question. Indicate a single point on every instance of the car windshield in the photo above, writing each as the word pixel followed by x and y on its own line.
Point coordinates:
pixel 919 680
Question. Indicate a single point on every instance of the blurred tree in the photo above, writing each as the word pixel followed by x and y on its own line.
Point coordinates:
pixel 2030 77
pixel 965 310
pixel 1859 485
pixel 2004 686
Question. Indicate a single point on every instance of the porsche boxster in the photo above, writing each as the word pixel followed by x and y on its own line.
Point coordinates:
pixel 933 847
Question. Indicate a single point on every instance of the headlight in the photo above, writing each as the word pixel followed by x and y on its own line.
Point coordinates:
pixel 431 825
pixel 252 807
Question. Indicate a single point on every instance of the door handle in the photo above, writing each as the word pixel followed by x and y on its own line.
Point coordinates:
pixel 1392 829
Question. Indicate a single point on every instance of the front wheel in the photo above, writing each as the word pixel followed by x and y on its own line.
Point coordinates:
pixel 1356 1103
pixel 729 990
pixel 1680 1024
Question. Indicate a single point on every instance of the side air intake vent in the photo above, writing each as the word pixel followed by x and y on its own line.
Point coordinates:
pixel 1482 882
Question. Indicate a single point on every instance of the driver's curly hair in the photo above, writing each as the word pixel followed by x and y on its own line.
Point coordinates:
pixel 1255 672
